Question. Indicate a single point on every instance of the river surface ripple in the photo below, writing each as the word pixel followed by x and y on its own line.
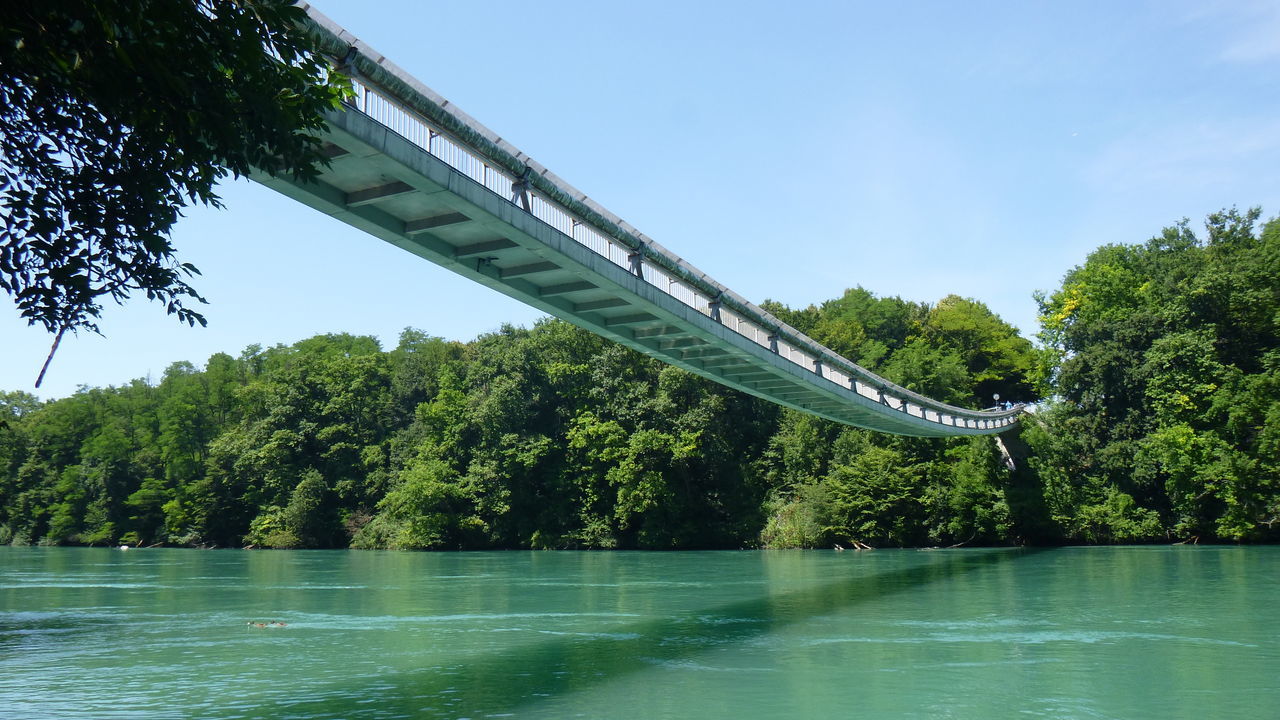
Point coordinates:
pixel 1152 632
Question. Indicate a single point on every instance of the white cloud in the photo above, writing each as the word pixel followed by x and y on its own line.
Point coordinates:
pixel 1248 31
pixel 1261 42
pixel 1230 152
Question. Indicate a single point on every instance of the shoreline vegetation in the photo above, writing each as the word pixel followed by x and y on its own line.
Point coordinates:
pixel 1157 380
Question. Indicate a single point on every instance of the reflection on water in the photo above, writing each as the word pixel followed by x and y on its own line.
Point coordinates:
pixel 1099 632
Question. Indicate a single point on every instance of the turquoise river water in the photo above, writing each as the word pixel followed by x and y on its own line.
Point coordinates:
pixel 1157 632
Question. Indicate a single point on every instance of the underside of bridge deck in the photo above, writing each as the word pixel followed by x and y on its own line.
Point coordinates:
pixel 403 192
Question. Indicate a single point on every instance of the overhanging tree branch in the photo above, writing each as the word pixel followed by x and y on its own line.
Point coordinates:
pixel 117 114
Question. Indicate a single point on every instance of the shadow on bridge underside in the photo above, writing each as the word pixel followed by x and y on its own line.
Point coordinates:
pixel 522 679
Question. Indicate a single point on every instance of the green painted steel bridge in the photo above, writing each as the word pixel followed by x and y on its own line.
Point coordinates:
pixel 408 167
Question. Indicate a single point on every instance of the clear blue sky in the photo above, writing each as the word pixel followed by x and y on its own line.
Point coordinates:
pixel 791 150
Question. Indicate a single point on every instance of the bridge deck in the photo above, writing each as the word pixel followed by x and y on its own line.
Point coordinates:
pixel 436 183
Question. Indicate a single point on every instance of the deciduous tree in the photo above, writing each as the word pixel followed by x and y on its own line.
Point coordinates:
pixel 117 114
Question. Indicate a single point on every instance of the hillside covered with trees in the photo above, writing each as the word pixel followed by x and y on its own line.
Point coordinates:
pixel 1160 374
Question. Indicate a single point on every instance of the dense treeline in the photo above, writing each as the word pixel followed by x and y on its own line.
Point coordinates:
pixel 1162 360
pixel 1167 358
pixel 549 437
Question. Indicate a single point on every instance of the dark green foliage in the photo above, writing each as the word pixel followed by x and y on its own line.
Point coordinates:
pixel 115 114
pixel 549 437
pixel 1166 425
pixel 542 438
pixel 832 484
pixel 1169 385
pixel 554 438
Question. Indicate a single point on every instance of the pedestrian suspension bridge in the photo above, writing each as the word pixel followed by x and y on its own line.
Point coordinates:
pixel 411 169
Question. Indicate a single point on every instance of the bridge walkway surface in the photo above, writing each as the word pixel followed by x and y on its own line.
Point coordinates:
pixel 411 169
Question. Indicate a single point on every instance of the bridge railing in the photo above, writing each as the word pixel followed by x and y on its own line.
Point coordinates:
pixel 396 101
